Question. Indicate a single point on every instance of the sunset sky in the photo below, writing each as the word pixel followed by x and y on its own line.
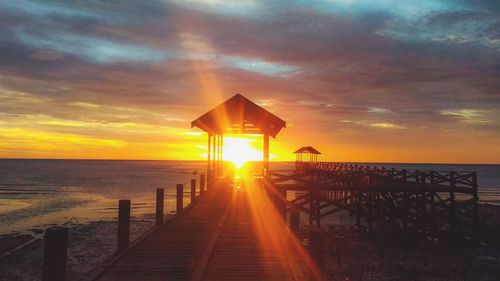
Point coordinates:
pixel 360 80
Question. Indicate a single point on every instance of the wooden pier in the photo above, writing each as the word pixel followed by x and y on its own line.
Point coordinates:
pixel 229 234
pixel 432 204
pixel 237 230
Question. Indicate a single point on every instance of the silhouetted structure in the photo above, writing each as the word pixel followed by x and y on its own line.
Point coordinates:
pixel 237 115
pixel 433 204
pixel 301 154
pixel 224 237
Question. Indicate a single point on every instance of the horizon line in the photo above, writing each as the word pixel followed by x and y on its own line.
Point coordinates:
pixel 202 160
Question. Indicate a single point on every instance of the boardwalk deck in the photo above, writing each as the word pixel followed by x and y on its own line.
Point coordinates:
pixel 219 239
pixel 250 245
pixel 173 251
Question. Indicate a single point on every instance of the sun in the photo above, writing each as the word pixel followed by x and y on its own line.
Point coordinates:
pixel 240 150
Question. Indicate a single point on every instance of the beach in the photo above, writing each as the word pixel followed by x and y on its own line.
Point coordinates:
pixel 82 196
pixel 90 245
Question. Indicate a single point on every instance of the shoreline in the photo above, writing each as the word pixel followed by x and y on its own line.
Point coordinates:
pixel 89 245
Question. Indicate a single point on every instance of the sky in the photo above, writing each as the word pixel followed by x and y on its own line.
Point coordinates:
pixel 360 80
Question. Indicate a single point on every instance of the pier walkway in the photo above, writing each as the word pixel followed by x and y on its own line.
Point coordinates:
pixel 228 235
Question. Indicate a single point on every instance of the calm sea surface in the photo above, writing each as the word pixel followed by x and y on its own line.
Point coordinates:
pixel 40 193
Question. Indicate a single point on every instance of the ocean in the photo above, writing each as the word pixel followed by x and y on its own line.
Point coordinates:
pixel 35 194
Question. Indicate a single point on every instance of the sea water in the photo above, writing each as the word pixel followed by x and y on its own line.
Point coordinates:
pixel 35 194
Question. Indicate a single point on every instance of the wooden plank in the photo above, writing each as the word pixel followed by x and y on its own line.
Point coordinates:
pixel 173 250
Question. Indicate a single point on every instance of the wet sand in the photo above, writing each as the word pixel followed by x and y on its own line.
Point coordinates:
pixel 89 246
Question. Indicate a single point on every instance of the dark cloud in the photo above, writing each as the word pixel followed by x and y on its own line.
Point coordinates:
pixel 162 57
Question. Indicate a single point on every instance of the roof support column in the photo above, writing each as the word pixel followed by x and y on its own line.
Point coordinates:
pixel 216 155
pixel 221 152
pixel 266 154
pixel 209 148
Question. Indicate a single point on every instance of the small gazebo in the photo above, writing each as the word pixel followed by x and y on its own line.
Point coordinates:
pixel 237 115
pixel 301 154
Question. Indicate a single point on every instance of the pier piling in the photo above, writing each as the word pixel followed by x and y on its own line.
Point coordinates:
pixel 180 198
pixel 294 219
pixel 316 246
pixel 123 224
pixel 193 191
pixel 159 205
pixel 202 184
pixel 54 254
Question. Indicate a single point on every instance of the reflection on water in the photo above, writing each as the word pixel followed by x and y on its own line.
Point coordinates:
pixel 40 193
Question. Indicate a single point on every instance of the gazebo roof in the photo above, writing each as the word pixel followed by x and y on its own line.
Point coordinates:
pixel 239 115
pixel 307 149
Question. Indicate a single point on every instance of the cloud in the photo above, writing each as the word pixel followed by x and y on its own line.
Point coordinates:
pixel 386 125
pixel 471 116
pixel 350 68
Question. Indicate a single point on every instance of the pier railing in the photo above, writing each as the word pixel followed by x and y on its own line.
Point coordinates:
pixel 427 201
pixel 55 239
pixel 364 176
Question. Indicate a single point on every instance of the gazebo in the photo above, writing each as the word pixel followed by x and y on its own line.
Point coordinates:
pixel 305 150
pixel 237 115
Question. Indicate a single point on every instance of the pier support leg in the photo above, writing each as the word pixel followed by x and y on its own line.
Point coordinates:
pixel 358 209
pixel 315 238
pixel 281 202
pixel 159 205
pixel 54 254
pixel 453 222
pixel 209 158
pixel 370 211
pixel 193 191
pixel 294 219
pixel 123 224
pixel 318 212
pixel 475 210
pixel 266 155
pixel 202 184
pixel 180 199
pixel 311 207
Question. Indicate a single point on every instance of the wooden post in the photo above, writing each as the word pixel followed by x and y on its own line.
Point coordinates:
pixel 294 218
pixel 421 201
pixel 405 201
pixel 202 184
pixel 316 246
pixel 317 208
pixel 432 205
pixel 475 210
pixel 358 207
pixel 222 152
pixel 370 210
pixel 180 197
pixel 123 224
pixel 266 155
pixel 54 254
pixel 452 203
pixel 159 205
pixel 281 203
pixel 209 148
pixel 311 207
pixel 210 180
pixel 216 155
pixel 193 191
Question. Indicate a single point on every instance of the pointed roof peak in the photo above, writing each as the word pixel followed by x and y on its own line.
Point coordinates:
pixel 307 149
pixel 238 114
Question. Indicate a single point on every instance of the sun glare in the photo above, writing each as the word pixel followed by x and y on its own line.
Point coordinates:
pixel 240 150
